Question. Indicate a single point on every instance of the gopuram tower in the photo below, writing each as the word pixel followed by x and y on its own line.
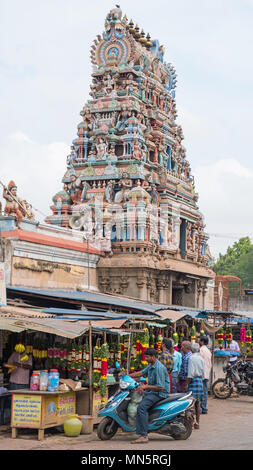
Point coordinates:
pixel 128 183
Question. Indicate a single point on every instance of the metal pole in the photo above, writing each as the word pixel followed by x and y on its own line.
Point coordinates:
pixel 90 372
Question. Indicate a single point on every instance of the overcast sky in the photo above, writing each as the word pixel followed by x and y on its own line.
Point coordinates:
pixel 44 82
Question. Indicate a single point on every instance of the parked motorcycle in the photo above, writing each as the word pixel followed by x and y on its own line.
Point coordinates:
pixel 172 416
pixel 238 378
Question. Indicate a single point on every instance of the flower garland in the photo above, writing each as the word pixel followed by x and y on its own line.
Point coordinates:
pixel 228 336
pixel 144 340
pixel 96 366
pixel 193 334
pixel 220 338
pixel 175 338
pixel 104 354
pixel 158 345
pixel 242 336
pixel 248 339
pixel 86 357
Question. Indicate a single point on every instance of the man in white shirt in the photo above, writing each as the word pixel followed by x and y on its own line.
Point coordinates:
pixel 234 346
pixel 207 356
pixel 194 381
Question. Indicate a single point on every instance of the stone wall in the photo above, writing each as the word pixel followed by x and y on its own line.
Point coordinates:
pixel 243 303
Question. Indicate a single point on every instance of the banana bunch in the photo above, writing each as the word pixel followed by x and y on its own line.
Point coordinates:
pixel 24 358
pixel 19 348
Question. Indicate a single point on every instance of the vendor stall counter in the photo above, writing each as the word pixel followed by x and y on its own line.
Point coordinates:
pixel 41 410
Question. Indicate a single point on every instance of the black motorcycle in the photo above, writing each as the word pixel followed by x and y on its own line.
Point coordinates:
pixel 238 378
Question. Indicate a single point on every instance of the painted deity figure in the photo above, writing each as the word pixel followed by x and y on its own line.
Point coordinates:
pixel 109 192
pixel 125 185
pixel 137 153
pixel 92 156
pixel 14 205
pixel 108 81
pixel 28 211
pixel 122 118
pixel 132 123
pixel 112 156
pixel 74 188
pixel 101 147
pixel 85 187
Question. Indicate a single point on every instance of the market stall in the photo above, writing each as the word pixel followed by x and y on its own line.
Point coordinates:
pixel 40 409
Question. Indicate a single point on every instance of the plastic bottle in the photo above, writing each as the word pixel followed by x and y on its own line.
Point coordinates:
pixel 35 381
pixel 53 380
pixel 43 380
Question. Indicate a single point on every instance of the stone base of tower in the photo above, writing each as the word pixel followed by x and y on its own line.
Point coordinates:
pixel 171 282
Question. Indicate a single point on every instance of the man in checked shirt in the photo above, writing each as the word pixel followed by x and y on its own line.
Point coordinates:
pixel 183 374
pixel 166 358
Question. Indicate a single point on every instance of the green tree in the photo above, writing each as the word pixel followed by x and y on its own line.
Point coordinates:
pixel 237 261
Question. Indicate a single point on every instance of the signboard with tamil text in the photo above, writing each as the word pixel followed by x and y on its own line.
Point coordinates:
pixel 26 411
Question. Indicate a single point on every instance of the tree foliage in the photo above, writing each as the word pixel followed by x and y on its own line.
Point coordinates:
pixel 237 261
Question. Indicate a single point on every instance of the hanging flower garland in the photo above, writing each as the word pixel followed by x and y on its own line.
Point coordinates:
pixel 144 345
pixel 175 338
pixel 96 366
pixel 242 336
pixel 228 336
pixel 152 340
pixel 193 334
pixel 248 339
pixel 220 338
pixel 159 342
pixel 104 354
pixel 118 353
pixel 86 357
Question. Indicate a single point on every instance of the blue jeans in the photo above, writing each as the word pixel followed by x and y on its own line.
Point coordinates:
pixel 149 399
pixel 174 376
pixel 203 404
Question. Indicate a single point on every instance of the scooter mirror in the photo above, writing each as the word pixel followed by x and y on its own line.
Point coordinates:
pixel 142 379
pixel 117 365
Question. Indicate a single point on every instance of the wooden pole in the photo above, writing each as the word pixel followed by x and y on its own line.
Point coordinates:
pixel 212 351
pixel 90 372
pixel 129 351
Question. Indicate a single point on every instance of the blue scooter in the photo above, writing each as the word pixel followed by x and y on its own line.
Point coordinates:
pixel 172 416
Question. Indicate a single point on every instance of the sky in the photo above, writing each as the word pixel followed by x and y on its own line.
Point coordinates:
pixel 45 73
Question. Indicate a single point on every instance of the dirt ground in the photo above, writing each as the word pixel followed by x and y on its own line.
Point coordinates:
pixel 227 426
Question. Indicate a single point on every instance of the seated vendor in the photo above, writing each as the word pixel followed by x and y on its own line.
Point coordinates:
pixel 20 377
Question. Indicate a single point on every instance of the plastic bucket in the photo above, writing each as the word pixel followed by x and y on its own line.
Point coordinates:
pixel 87 424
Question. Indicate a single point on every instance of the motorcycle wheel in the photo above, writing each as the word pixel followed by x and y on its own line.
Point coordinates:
pixel 188 425
pixel 221 390
pixel 107 428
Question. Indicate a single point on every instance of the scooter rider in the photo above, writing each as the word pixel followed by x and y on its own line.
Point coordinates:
pixel 156 390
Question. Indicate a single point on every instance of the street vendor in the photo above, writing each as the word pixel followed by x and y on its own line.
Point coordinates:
pixel 20 376
pixel 157 389
pixel 234 346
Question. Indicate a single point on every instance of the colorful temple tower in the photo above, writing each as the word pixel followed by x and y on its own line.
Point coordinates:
pixel 128 182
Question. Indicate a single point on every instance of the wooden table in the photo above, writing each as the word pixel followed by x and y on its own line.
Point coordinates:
pixel 41 410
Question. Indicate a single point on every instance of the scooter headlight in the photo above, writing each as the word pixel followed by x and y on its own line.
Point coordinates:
pixel 123 384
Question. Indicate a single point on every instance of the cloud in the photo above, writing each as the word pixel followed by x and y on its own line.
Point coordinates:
pixel 36 168
pixel 225 194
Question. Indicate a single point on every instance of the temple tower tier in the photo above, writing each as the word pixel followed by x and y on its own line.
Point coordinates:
pixel 128 182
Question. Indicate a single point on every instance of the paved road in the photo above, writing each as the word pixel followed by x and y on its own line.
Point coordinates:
pixel 228 426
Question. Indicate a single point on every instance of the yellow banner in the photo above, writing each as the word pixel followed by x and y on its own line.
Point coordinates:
pixel 66 404
pixel 26 411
